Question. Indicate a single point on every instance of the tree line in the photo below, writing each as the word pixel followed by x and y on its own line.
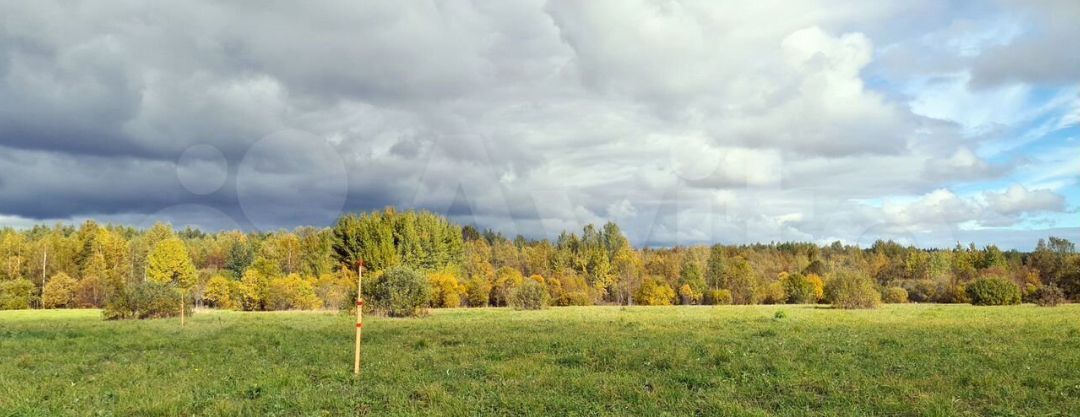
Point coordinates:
pixel 142 273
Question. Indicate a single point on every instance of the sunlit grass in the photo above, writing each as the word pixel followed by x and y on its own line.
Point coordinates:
pixel 898 360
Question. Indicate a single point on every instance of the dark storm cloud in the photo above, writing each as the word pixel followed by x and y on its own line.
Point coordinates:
pixel 47 185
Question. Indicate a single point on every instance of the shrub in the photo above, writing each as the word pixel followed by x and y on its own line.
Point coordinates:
pixel 801 289
pixel 954 293
pixel 718 297
pixel 688 296
pixel 1070 280
pixel 90 292
pixel 894 295
pixel 16 294
pixel 401 292
pixel 1029 293
pixel 922 290
pixel 655 292
pixel 571 290
pixel 445 290
pixel 253 290
pixel 774 294
pixel 1049 296
pixel 580 297
pixel 506 278
pixel 335 291
pixel 59 292
pixel 219 292
pixel 477 291
pixel 530 295
pixel 291 293
pixel 147 300
pixel 852 290
pixel 371 280
pixel 993 291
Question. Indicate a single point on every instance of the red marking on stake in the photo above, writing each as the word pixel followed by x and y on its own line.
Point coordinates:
pixel 360 303
pixel 359 325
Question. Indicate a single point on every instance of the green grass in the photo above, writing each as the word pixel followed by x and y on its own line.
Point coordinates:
pixel 651 361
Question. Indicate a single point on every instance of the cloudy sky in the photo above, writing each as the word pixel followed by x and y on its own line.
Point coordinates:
pixel 928 122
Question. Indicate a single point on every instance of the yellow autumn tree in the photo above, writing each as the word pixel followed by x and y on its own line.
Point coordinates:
pixel 169 263
pixel 219 292
pixel 818 285
pixel 253 289
pixel 446 291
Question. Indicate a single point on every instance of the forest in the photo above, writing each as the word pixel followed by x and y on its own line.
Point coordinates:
pixel 135 273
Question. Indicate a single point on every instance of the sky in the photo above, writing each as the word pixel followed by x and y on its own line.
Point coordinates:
pixel 928 122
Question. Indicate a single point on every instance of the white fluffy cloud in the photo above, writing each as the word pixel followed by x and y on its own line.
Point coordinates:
pixel 1018 200
pixel 935 209
pixel 942 209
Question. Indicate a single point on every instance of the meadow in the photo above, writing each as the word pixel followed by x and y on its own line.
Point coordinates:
pixel 899 360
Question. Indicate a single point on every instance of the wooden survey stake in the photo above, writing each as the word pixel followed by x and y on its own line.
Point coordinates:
pixel 359 313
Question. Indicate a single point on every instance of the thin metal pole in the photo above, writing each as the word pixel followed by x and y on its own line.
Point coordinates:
pixel 359 314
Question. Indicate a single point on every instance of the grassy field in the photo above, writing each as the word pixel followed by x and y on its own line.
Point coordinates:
pixel 898 360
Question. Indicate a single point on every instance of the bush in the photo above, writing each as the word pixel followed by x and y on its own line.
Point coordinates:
pixel 253 290
pixel 506 279
pixel 655 292
pixel 401 292
pixel 852 290
pixel 1049 296
pixel 1029 293
pixel 993 291
pixel 894 295
pixel 718 297
pixel 923 290
pixel 147 300
pixel 954 293
pixel 335 291
pixel 90 292
pixel 774 294
pixel 802 289
pixel 570 290
pixel 221 292
pixel 530 295
pixel 16 294
pixel 445 290
pixel 477 291
pixel 579 297
pixel 688 296
pixel 291 293
pixel 59 292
